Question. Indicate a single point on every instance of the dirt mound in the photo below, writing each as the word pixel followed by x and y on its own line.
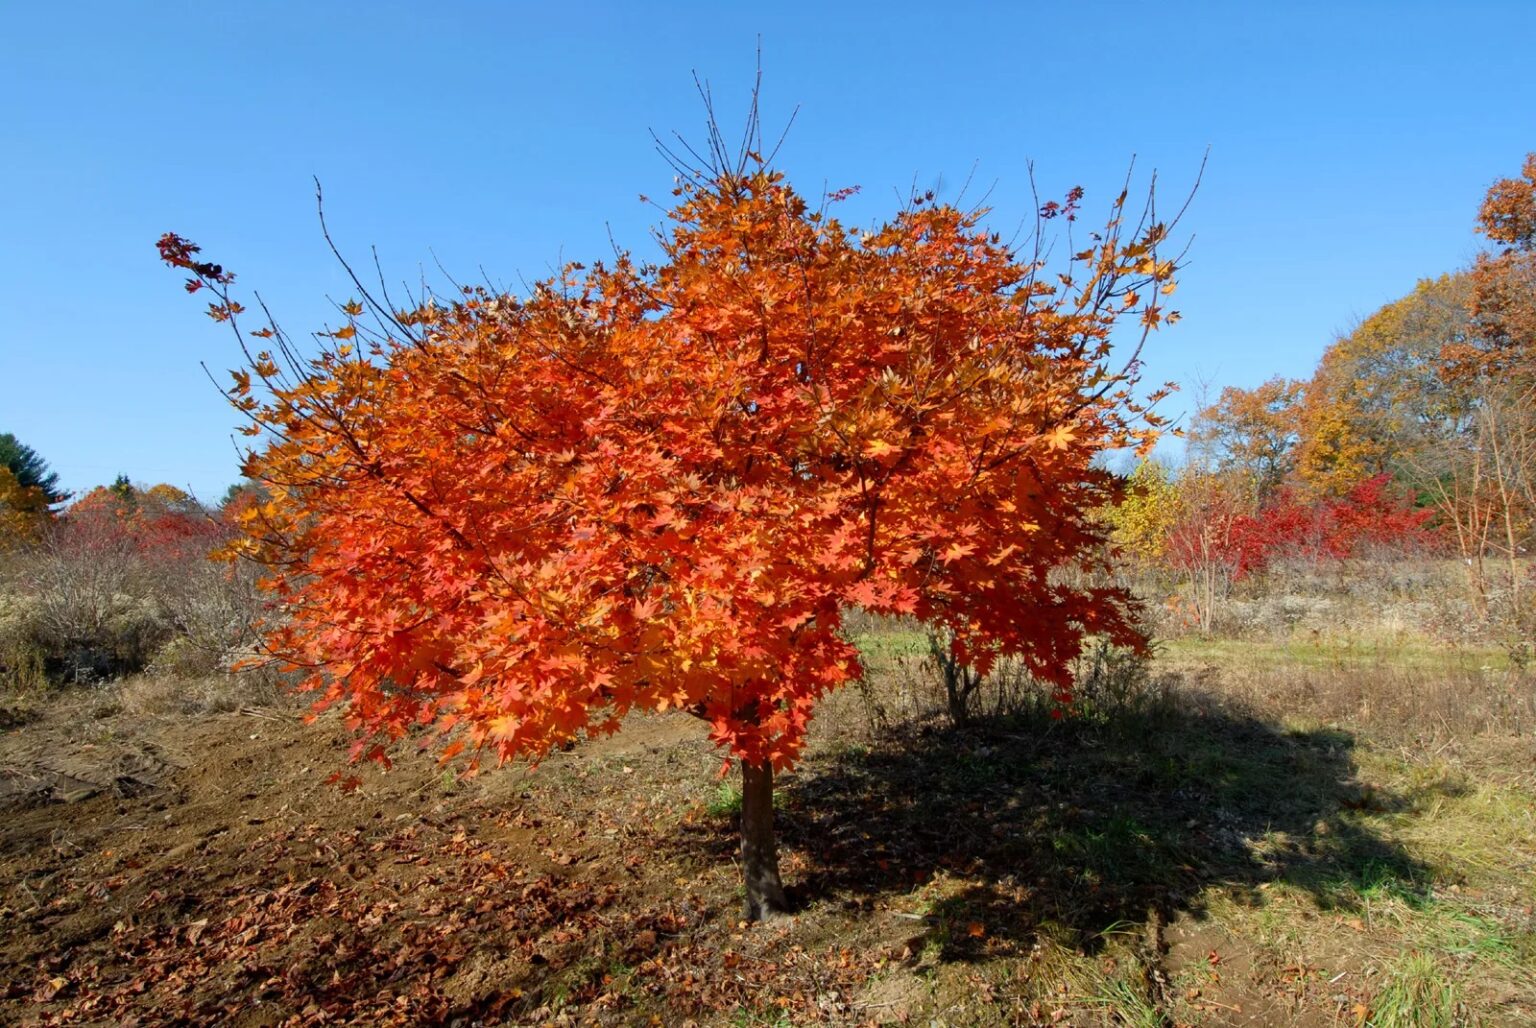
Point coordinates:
pixel 83 771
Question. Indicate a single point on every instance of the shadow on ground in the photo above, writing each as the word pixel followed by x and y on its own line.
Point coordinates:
pixel 1078 830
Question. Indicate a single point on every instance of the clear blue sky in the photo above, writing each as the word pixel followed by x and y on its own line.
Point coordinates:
pixel 1350 144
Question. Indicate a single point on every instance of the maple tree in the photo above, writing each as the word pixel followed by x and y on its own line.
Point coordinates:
pixel 658 485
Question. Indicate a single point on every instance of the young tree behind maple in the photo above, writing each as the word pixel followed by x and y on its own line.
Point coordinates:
pixel 1204 546
pixel 1142 521
pixel 659 485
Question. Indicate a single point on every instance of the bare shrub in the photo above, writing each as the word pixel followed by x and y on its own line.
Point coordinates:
pixel 960 681
pixel 212 609
pixel 95 613
pixel 912 677
pixel 123 582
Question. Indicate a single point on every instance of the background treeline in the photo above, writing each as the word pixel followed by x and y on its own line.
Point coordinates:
pixel 1391 495
pixel 1401 475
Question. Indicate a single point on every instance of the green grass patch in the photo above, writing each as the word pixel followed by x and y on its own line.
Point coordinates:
pixel 1417 994
pixel 884 647
pixel 1120 994
pixel 726 801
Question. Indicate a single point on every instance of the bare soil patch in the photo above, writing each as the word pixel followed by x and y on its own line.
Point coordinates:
pixel 1201 865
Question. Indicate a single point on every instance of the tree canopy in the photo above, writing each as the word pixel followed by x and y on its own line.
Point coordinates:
pixel 28 492
pixel 1504 278
pixel 518 518
pixel 1251 432
pixel 1380 401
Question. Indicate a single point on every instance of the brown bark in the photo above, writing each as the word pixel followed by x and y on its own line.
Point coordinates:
pixel 759 846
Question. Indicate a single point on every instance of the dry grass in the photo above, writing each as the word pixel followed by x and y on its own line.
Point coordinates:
pixel 1378 810
pixel 1410 700
pixel 147 696
pixel 208 694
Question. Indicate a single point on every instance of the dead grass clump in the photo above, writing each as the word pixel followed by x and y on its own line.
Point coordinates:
pixel 158 696
pixel 1402 705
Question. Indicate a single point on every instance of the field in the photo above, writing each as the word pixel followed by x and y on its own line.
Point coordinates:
pixel 1310 836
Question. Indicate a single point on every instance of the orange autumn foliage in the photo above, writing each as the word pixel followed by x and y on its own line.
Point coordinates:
pixel 1252 433
pixel 1504 282
pixel 24 511
pixel 659 486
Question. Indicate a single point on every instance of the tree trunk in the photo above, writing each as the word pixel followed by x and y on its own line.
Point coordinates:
pixel 759 847
pixel 959 680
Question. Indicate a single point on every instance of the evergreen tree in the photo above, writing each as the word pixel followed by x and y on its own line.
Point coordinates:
pixel 31 471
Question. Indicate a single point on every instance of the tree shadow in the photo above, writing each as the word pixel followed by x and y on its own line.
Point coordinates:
pixel 1077 829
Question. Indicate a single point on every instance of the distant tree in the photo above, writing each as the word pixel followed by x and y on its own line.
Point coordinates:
pixel 1482 479
pixel 1379 401
pixel 167 497
pixel 161 522
pixel 1504 282
pixel 1145 517
pixel 1251 433
pixel 123 489
pixel 24 511
pixel 29 469
pixel 239 493
pixel 29 492
pixel 1484 489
